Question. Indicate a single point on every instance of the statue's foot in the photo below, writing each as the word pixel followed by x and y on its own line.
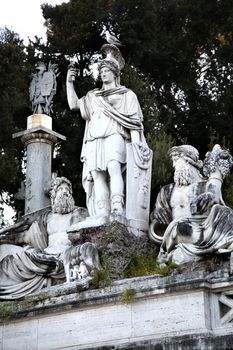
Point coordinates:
pixel 162 257
pixel 117 211
pixel 117 204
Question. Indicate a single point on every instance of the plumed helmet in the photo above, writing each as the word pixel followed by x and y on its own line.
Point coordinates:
pixel 113 59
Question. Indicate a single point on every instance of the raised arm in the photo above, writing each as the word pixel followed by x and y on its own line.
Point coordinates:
pixel 72 97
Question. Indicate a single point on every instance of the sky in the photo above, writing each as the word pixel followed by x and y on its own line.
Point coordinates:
pixel 25 17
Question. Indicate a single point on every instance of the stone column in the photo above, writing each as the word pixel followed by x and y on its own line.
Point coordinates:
pixel 39 140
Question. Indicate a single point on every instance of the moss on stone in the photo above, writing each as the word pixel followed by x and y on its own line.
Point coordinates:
pixel 101 278
pixel 141 265
pixel 128 296
pixel 6 310
pixel 144 265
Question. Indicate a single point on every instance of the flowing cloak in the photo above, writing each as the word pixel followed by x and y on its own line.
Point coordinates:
pixel 28 269
pixel 116 122
pixel 216 228
pixel 217 234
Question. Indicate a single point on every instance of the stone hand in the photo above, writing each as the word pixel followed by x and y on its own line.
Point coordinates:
pixel 161 216
pixel 71 74
pixel 202 203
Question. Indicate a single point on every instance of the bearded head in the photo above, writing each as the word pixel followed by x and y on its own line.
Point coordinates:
pixel 62 201
pixel 186 163
pixel 183 174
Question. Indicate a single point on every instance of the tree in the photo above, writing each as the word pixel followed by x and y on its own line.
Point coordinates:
pixel 162 171
pixel 13 108
pixel 179 63
pixel 185 48
pixel 74 29
pixel 178 54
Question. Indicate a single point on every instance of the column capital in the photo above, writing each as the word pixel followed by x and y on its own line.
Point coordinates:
pixel 39 137
pixel 39 134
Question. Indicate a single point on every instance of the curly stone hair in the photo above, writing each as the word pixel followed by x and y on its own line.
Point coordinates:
pixel 55 185
pixel 220 158
pixel 111 64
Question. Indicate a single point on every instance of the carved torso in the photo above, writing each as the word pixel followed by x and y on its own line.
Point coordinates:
pixel 57 226
pixel 180 201
pixel 100 124
pixel 115 100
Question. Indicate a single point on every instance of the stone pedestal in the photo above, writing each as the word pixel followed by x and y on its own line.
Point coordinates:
pixel 189 311
pixel 39 138
pixel 117 247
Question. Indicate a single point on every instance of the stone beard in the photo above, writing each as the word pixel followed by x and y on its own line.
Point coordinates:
pixel 63 203
pixel 183 174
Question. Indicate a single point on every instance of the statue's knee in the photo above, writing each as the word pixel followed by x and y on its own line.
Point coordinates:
pixel 114 167
pixel 98 176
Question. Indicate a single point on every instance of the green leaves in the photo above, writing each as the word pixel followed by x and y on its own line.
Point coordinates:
pixel 13 110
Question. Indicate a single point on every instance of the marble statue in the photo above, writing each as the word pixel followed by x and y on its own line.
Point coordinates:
pixel 43 88
pixel 190 218
pixel 42 251
pixel 113 121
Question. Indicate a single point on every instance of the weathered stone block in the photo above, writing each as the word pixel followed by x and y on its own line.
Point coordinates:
pixel 181 312
pixel 117 246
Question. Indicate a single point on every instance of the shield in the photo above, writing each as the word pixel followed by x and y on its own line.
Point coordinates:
pixel 47 83
pixel 138 183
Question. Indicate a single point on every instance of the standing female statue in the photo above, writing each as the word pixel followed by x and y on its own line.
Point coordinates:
pixel 113 119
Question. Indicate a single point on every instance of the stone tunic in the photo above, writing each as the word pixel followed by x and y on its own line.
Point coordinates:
pixel 110 116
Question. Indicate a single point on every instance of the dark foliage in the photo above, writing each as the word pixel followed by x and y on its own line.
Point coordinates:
pixel 179 57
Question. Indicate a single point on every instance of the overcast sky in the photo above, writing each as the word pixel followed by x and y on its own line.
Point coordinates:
pixel 25 17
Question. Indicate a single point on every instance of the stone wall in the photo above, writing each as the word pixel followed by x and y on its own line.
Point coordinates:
pixel 189 311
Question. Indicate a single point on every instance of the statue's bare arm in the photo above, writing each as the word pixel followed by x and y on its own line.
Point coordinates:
pixel 135 136
pixel 18 233
pixel 72 97
pixel 15 234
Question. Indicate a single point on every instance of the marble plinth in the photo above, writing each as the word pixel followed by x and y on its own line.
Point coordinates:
pixel 188 311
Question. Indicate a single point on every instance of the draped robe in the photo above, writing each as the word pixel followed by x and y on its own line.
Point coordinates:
pixel 28 269
pixel 107 131
pixel 215 229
